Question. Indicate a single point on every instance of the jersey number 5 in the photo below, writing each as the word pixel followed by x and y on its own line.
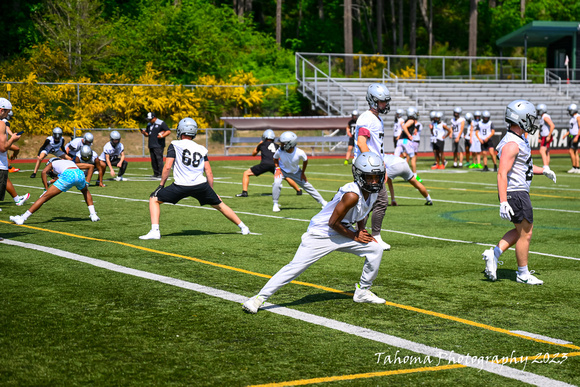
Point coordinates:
pixel 188 159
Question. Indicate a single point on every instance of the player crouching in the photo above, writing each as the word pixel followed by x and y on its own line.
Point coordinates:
pixel 332 229
pixel 189 161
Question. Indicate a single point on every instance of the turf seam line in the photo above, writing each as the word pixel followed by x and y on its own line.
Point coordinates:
pixel 362 332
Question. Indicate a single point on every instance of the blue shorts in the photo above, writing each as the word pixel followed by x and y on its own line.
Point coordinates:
pixel 71 178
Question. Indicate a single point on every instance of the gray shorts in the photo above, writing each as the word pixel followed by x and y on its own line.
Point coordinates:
pixel 458 147
pixel 400 170
pixel 521 205
pixel 3 182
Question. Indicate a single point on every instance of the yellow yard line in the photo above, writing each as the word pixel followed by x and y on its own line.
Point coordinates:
pixel 227 267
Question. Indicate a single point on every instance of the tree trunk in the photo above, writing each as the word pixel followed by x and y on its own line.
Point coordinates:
pixel 348 60
pixel 394 26
pixel 428 20
pixel 400 23
pixel 473 28
pixel 413 27
pixel 279 22
pixel 522 8
pixel 380 26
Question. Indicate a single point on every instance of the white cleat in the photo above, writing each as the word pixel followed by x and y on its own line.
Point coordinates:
pixel 382 243
pixel 572 170
pixel 276 208
pixel 529 279
pixel 119 178
pixel 245 230
pixel 153 234
pixel 22 199
pixel 365 295
pixel 253 304
pixel 17 219
pixel 95 217
pixel 491 263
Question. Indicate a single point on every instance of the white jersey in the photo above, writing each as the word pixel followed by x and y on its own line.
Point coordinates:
pixel 417 135
pixel 439 131
pixel 574 125
pixel 376 128
pixel 290 162
pixel 544 128
pixel 456 127
pixel 520 176
pixel 189 164
pixel 111 150
pixel 319 223
pixel 468 126
pixel 74 146
pixel 484 128
pixel 53 145
pixel 398 127
pixel 59 166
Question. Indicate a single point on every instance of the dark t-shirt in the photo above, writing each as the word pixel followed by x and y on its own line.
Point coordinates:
pixel 267 150
pixel 153 130
pixel 352 126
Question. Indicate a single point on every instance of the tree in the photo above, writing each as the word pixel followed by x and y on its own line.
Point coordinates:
pixel 473 28
pixel 75 27
pixel 348 60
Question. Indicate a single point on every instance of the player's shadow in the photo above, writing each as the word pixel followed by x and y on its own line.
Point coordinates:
pixel 504 274
pixel 61 219
pixel 11 235
pixel 266 194
pixel 319 297
pixel 197 232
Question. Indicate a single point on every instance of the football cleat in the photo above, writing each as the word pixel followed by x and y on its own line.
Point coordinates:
pixel 22 199
pixel 12 169
pixel 299 193
pixel 95 217
pixel 276 208
pixel 491 263
pixel 244 194
pixel 253 304
pixel 529 279
pixel 381 243
pixel 153 234
pixel 32 175
pixel 428 203
pixel 245 230
pixel 365 295
pixel 119 178
pixel 323 204
pixel 571 170
pixel 17 219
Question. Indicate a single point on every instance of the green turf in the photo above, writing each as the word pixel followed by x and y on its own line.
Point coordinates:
pixel 64 322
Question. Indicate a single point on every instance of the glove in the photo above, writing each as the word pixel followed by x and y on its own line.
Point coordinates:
pixel 95 217
pixel 505 211
pixel 549 174
pixel 154 193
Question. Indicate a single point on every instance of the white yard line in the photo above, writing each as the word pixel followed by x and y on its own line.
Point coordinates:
pixel 308 220
pixel 450 357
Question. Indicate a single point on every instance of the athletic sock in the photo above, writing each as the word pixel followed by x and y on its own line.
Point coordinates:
pixel 428 198
pixel 92 209
pixel 26 215
pixel 523 271
pixel 241 225
pixel 497 252
pixel 16 198
pixel 154 227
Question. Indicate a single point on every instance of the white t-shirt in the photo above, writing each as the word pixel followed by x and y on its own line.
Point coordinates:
pixel 290 162
pixel 456 127
pixel 398 127
pixel 419 128
pixel 373 125
pixel 189 165
pixel 111 150
pixel 439 131
pixel 59 166
pixel 319 223
pixel 545 129
pixel 520 176
pixel 574 125
pixel 74 146
pixel 484 128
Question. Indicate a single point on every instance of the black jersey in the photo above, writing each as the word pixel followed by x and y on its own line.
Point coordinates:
pixel 153 129
pixel 411 129
pixel 267 150
pixel 352 126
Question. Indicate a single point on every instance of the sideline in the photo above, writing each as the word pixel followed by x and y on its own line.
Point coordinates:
pixel 450 356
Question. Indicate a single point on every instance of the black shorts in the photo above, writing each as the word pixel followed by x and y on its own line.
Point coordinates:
pixel 351 141
pixel 3 182
pixel 467 143
pixel 488 144
pixel 522 205
pixel 572 145
pixel 202 192
pixel 439 146
pixel 257 170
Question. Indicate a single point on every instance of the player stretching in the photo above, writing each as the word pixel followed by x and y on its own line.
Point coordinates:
pixel 514 178
pixel 332 230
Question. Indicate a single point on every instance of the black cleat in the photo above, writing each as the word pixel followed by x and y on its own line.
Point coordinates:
pixel 32 175
pixel 298 193
pixel 429 203
pixel 244 194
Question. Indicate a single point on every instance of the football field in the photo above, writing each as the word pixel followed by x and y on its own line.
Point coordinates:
pixel 90 303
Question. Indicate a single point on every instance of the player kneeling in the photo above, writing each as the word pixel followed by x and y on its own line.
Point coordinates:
pixel 189 161
pixel 69 175
pixel 332 229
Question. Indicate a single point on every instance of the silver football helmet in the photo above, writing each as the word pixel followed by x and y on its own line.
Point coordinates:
pixel 378 92
pixel 486 114
pixel 86 153
pixel 88 138
pixel 572 109
pixel 432 115
pixel 399 113
pixel 52 159
pixel 57 133
pixel 457 110
pixel 439 116
pixel 268 135
pixel 477 115
pixel 523 114
pixel 412 113
pixel 354 113
pixel 369 164
pixel 541 109
pixel 115 137
pixel 187 127
pixel 288 140
pixel 468 117
pixel 5 104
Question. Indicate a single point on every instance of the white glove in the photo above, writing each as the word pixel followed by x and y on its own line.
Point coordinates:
pixel 95 217
pixel 505 211
pixel 549 174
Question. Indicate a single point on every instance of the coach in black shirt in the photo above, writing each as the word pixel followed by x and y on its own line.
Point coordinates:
pixel 156 130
